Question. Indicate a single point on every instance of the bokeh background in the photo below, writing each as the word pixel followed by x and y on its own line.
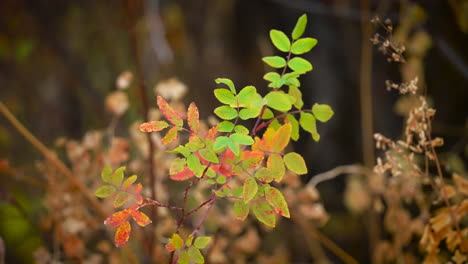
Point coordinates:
pixel 60 59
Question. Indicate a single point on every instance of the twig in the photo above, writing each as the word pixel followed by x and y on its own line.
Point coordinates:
pixel 333 173
pixel 53 159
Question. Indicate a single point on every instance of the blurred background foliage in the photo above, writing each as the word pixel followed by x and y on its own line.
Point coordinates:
pixel 60 59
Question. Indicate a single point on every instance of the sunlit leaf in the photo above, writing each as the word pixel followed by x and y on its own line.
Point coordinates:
pixel 272 76
pixel 194 164
pixel 202 242
pixel 278 100
pixel 264 213
pixel 295 163
pixel 226 112
pixel 225 126
pixel 122 234
pixel 117 176
pixel 242 139
pixel 169 112
pixel 209 155
pixel 105 191
pixel 297 94
pixel 140 218
pixel 106 173
pixel 225 96
pixel 276 199
pixel 189 241
pixel 227 82
pixel 181 150
pixel 241 130
pixel 300 65
pixel 275 61
pixel 129 181
pixel 322 112
pixel 153 126
pixel 195 255
pixel 268 114
pixel 264 175
pixel 276 165
pixel 282 137
pixel 119 217
pixel 241 210
pixel 120 199
pixel 294 127
pixel 175 243
pixel 303 45
pixel 300 27
pixel 309 124
pixel 193 118
pixel 246 95
pixel 170 136
pixel 221 142
pixel 280 40
pixel 250 189
pixel 184 258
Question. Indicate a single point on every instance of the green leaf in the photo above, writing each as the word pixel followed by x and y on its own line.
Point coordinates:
pixel 181 150
pixel 241 210
pixel 117 176
pixel 303 45
pixel 275 61
pixel 295 127
pixel 246 94
pixel 234 147
pixel 195 255
pixel 300 27
pixel 226 112
pixel 268 114
pixel 264 213
pixel 221 142
pixel 209 155
pixel 120 199
pixel 221 180
pixel 106 173
pixel 293 81
pixel 276 166
pixel 278 100
pixel 184 258
pixel 296 93
pixel 280 40
pixel 189 241
pixel 295 163
pixel 264 175
pixel 177 166
pixel 237 192
pixel 300 65
pixel 242 139
pixel 322 112
pixel 225 96
pixel 276 199
pixel 225 126
pixel 272 76
pixel 194 164
pixel 170 136
pixel 309 124
pixel 248 113
pixel 227 82
pixel 202 242
pixel 241 130
pixel 105 191
pixel 129 181
pixel 250 189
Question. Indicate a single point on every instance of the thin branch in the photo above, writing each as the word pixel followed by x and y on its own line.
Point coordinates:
pixel 49 155
pixel 333 173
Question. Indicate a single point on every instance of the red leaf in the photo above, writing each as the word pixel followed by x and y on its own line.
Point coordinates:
pixel 123 234
pixel 182 176
pixel 169 112
pixel 140 218
pixel 193 118
pixel 138 188
pixel 119 217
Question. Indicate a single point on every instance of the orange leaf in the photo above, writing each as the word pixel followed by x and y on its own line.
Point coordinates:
pixel 169 112
pixel 119 217
pixel 140 218
pixel 138 188
pixel 153 126
pixel 211 133
pixel 122 234
pixel 282 136
pixel 193 118
pixel 170 247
